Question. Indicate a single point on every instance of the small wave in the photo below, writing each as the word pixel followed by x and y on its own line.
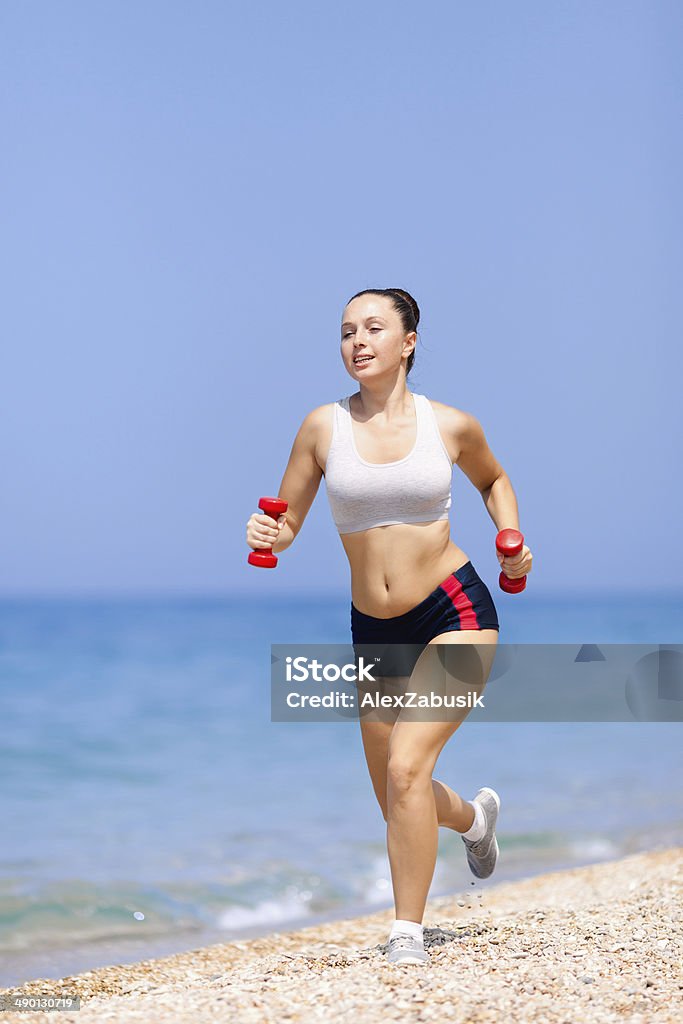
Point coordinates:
pixel 266 912
pixel 594 846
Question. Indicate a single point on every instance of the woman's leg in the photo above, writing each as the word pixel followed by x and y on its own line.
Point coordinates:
pixel 412 794
pixel 452 811
pixel 376 727
pixel 412 822
pixel 375 735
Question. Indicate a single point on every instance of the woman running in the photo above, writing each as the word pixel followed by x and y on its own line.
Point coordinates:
pixel 387 455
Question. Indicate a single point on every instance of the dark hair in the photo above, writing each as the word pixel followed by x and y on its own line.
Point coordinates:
pixel 406 307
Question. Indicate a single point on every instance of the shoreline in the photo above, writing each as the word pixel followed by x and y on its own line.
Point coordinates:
pixel 56 962
pixel 595 942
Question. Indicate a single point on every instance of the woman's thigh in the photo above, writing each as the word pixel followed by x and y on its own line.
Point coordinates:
pixel 470 660
pixel 413 747
pixel 416 744
pixel 418 736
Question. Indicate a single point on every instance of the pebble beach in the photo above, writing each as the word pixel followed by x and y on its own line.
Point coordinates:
pixel 594 943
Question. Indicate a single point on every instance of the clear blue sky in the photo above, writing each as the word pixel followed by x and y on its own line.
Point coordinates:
pixel 192 192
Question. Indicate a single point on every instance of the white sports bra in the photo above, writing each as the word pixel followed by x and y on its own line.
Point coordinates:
pixel 415 489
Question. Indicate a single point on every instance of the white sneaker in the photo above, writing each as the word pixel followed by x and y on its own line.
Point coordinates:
pixel 406 949
pixel 482 854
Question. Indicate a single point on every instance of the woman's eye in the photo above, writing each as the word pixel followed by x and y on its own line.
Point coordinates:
pixel 351 332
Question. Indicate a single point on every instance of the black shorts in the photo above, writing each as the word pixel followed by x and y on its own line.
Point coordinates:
pixel 461 601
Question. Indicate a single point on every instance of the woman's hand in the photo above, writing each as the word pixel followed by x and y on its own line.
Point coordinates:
pixel 263 530
pixel 514 566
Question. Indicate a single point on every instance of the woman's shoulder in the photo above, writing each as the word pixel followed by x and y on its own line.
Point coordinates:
pixel 318 421
pixel 317 428
pixel 455 425
pixel 449 417
pixel 321 413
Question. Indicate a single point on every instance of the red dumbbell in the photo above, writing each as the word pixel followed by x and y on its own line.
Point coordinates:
pixel 264 557
pixel 510 542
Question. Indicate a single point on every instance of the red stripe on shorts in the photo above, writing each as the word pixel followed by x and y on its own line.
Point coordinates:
pixel 461 603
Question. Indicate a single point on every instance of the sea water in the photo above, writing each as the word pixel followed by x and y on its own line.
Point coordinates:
pixel 150 805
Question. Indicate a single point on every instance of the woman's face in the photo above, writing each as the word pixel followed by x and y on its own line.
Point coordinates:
pixel 372 327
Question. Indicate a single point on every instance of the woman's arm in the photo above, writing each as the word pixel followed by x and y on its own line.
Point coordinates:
pixel 479 464
pixel 301 479
pixel 468 448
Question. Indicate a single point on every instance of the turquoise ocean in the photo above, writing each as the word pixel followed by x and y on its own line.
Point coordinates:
pixel 149 804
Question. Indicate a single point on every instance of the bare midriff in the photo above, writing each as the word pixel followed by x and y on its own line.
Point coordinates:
pixel 395 567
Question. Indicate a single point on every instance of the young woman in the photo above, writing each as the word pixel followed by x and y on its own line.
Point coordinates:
pixel 387 455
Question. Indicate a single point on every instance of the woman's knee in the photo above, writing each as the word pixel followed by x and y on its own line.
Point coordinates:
pixel 405 773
